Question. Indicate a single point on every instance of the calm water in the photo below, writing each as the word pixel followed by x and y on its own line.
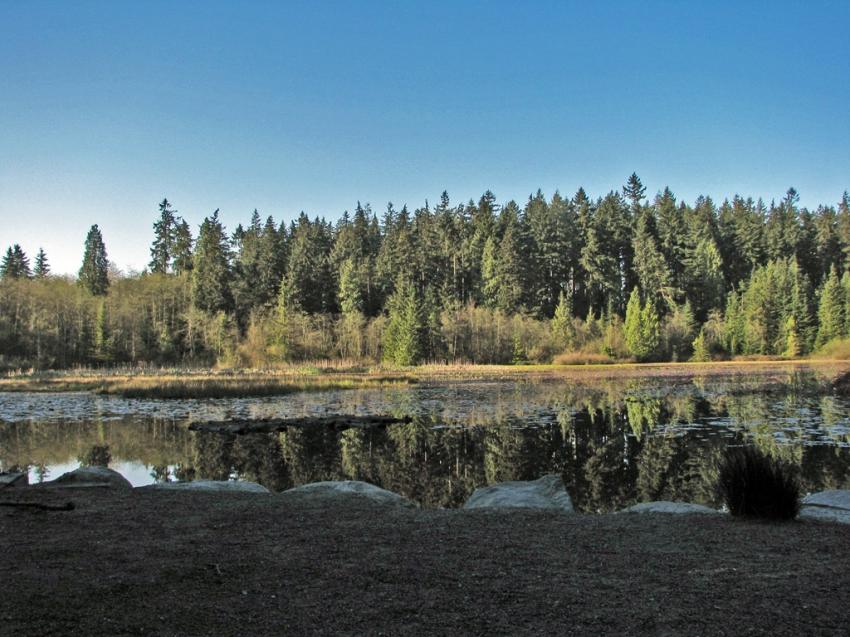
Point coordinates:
pixel 615 443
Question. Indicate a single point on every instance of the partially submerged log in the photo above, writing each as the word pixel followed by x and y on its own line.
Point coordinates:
pixel 271 425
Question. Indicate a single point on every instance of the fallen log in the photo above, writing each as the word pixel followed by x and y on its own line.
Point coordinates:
pixel 271 425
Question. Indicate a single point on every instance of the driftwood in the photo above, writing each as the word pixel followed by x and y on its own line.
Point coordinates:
pixel 270 425
pixel 39 506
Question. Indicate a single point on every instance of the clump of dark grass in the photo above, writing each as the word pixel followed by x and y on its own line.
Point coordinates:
pixel 754 485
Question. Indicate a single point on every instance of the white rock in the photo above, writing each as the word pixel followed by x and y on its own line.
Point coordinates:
pixel 230 486
pixel 546 493
pixel 664 506
pixel 832 505
pixel 355 488
pixel 91 477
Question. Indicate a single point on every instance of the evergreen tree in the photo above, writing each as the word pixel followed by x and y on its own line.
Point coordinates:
pixel 211 268
pixel 700 345
pixel 163 248
pixel 403 334
pixel 831 310
pixel 94 273
pixel 16 264
pixel 562 322
pixel 42 267
pixel 641 328
pixel 653 275
pixel 182 261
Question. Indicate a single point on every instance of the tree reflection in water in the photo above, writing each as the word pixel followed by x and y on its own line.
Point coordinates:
pixel 615 444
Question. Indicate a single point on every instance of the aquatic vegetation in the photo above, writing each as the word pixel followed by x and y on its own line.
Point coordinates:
pixel 756 485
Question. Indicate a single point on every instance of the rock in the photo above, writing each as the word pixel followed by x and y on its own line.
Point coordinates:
pixel 352 488
pixel 13 480
pixel 833 506
pixel 229 486
pixel 91 477
pixel 546 493
pixel 664 506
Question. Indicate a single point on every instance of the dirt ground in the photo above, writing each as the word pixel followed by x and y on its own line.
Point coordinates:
pixel 153 563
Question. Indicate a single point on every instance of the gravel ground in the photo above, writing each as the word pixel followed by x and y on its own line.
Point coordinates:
pixel 156 563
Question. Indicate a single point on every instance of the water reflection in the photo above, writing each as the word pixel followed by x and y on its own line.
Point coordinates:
pixel 614 443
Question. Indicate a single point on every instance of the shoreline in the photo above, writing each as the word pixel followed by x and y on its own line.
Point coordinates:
pixel 209 383
pixel 165 563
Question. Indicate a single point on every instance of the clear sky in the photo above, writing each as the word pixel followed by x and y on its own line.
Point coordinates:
pixel 107 107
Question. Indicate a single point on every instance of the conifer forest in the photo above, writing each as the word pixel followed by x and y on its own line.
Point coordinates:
pixel 624 276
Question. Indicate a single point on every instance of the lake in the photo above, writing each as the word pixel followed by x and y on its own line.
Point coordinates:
pixel 615 442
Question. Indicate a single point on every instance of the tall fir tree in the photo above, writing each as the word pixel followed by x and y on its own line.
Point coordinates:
pixel 16 264
pixel 162 248
pixel 42 267
pixel 94 273
pixel 402 343
pixel 211 276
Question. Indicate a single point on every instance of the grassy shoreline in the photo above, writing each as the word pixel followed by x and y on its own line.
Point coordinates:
pixel 208 383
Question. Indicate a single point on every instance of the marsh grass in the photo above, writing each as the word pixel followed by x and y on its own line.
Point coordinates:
pixel 150 382
pixel 234 387
pixel 754 485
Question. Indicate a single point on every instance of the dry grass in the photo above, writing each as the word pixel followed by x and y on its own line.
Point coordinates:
pixel 206 383
pixel 223 387
pixel 583 358
pixel 200 383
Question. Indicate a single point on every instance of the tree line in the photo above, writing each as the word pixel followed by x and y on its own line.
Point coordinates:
pixel 622 276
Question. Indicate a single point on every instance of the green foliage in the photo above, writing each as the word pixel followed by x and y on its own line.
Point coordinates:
pixel 700 347
pixel 94 273
pixel 42 267
pixel 641 328
pixel 745 272
pixel 562 322
pixel 16 264
pixel 832 308
pixel 403 334
pixel 211 273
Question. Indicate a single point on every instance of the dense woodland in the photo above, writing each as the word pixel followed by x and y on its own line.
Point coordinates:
pixel 574 279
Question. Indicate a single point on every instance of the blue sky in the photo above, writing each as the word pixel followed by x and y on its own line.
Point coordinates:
pixel 107 107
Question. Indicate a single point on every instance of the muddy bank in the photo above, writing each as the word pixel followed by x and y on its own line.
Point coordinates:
pixel 152 563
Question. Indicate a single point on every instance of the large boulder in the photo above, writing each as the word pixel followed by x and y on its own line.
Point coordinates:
pixel 665 506
pixel 91 477
pixel 348 489
pixel 219 486
pixel 13 479
pixel 547 492
pixel 833 506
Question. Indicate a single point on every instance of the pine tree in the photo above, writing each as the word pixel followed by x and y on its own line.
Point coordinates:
pixel 562 322
pixel 211 268
pixel 634 191
pixel 16 264
pixel 182 261
pixel 641 328
pixel 701 352
pixel 350 297
pixel 403 334
pixel 94 273
pixel 831 310
pixel 42 267
pixel 163 248
pixel 632 326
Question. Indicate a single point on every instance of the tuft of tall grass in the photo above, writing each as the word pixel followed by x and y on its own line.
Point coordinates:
pixel 754 485
pixel 583 358
pixel 236 387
